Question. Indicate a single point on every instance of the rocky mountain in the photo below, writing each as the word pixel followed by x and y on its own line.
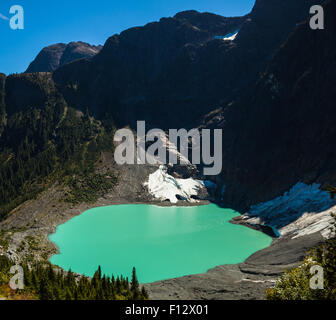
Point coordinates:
pixel 269 89
pixel 173 72
pixel 282 131
pixel 54 56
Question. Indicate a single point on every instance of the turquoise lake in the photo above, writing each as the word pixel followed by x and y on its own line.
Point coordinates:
pixel 161 242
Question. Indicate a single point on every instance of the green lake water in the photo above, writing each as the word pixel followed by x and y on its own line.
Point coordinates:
pixel 161 242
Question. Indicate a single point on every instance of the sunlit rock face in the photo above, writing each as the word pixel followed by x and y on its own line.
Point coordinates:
pixel 54 56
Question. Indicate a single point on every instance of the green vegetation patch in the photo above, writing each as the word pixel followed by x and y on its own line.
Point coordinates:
pixel 88 188
pixel 55 143
pixel 44 282
pixel 295 284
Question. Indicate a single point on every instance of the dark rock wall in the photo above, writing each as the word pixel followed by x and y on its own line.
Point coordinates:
pixel 173 72
pixel 283 131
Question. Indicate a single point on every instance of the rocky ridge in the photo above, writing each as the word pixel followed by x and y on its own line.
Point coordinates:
pixel 55 56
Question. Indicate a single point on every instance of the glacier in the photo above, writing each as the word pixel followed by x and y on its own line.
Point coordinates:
pixel 304 209
pixel 163 186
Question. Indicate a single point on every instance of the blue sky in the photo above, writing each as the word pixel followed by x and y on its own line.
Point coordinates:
pixel 92 21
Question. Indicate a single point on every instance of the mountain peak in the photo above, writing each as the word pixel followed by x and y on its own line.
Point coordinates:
pixel 52 57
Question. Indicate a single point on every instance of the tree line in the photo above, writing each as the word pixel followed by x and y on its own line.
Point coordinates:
pixel 44 282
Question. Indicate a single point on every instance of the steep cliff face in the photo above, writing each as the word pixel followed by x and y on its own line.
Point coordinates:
pixel 173 72
pixel 54 56
pixel 145 72
pixel 270 23
pixel 283 131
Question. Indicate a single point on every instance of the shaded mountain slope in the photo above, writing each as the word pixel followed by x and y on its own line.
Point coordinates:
pixel 171 73
pixel 283 131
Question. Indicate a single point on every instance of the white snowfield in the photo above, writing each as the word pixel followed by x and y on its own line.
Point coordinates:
pixel 163 186
pixel 304 209
pixel 231 36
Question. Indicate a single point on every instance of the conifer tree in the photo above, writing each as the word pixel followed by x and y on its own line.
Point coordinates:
pixel 135 285
pixel 144 293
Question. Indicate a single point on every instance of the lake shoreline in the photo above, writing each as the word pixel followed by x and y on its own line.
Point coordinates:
pixel 59 213
pixel 242 281
pixel 190 238
pixel 101 203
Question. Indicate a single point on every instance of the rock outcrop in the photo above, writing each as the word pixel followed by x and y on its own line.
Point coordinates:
pixel 54 56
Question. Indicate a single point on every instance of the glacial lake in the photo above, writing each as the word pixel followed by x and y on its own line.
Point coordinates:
pixel 161 242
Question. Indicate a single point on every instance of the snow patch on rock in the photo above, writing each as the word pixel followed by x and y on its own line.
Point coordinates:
pixel 228 37
pixel 163 186
pixel 309 223
pixel 304 209
pixel 231 36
